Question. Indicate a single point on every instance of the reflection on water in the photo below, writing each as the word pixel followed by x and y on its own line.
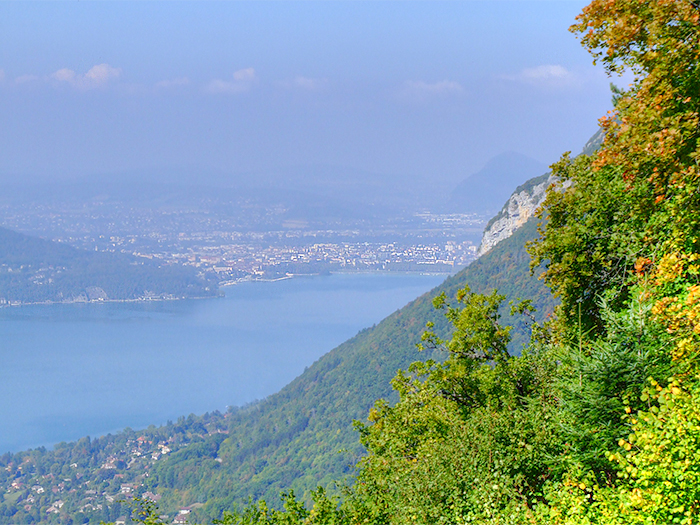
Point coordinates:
pixel 74 370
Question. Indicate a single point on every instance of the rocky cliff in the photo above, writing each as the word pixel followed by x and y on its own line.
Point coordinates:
pixel 517 210
pixel 523 203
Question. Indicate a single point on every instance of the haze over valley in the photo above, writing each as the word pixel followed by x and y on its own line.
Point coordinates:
pixel 293 148
pixel 331 263
pixel 338 221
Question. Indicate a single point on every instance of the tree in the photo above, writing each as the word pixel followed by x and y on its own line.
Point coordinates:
pixel 623 230
pixel 471 436
pixel 629 213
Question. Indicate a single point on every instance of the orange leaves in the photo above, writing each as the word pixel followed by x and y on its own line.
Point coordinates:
pixel 651 151
pixel 650 135
pixel 642 265
pixel 634 33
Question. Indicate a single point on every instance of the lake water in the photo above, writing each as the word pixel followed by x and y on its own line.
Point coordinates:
pixel 74 370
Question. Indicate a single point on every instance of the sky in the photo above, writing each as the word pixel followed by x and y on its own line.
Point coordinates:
pixel 426 90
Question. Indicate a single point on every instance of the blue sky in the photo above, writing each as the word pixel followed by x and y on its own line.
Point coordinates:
pixel 422 89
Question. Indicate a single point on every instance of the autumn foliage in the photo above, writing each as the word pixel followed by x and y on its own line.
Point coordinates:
pixel 597 420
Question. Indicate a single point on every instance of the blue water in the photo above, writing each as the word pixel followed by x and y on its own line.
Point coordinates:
pixel 74 370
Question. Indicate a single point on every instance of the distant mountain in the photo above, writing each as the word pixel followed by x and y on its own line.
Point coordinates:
pixel 36 270
pixel 485 191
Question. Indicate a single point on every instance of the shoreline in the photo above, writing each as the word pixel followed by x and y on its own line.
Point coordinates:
pixel 150 316
pixel 105 301
pixel 222 285
pixel 340 272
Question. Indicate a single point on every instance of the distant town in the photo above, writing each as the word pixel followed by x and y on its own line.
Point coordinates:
pixel 228 247
pixel 233 262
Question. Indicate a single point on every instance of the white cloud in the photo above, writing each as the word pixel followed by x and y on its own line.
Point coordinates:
pixel 24 79
pixel 546 75
pixel 175 82
pixel 100 74
pixel 244 75
pixel 306 83
pixel 97 76
pixel 64 75
pixel 546 72
pixel 420 90
pixel 243 80
pixel 222 86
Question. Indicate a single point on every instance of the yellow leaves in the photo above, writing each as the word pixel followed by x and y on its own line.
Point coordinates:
pixel 669 269
pixel 683 348
pixel 637 496
pixel 679 311
pixel 660 468
pixel 652 141
pixel 624 444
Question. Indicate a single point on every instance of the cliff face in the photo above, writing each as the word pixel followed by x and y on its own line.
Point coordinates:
pixel 521 205
pixel 524 201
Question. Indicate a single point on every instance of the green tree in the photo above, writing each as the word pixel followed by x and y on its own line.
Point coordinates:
pixel 471 436
pixel 622 235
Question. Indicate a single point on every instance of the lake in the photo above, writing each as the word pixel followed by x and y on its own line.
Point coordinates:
pixel 89 369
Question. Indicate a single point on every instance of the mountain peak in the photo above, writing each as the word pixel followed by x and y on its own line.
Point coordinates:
pixel 485 191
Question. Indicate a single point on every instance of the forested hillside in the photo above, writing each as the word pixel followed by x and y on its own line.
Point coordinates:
pixel 36 270
pixel 303 436
pixel 597 421
pixel 298 438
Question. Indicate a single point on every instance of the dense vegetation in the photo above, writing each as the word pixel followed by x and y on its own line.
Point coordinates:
pixel 597 421
pixel 35 270
pixel 298 438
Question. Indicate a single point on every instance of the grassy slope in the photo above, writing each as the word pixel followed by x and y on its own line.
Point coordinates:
pixel 303 436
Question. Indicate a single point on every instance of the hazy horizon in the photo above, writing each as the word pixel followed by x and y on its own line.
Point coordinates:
pixel 420 91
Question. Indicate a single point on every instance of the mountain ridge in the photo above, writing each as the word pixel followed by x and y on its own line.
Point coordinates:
pixel 524 201
pixel 35 270
pixel 485 191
